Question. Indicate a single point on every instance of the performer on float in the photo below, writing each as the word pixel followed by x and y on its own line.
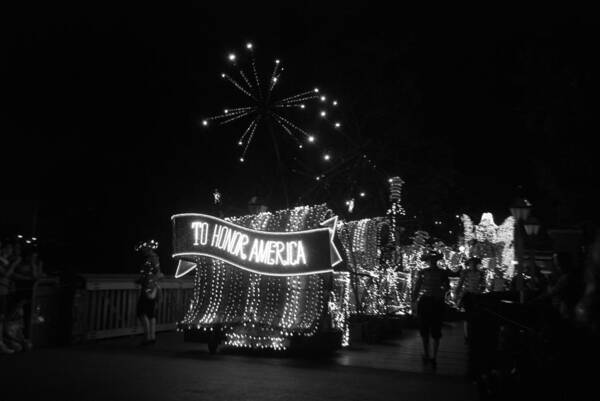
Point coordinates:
pixel 150 274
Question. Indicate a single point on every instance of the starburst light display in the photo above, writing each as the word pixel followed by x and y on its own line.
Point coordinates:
pixel 264 108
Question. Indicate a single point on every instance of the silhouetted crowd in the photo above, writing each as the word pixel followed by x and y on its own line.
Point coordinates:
pixel 20 268
pixel 539 341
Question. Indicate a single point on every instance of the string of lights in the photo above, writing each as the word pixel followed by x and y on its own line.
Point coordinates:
pixel 376 283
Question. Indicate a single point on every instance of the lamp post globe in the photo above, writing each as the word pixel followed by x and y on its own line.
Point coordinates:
pixel 532 226
pixel 520 209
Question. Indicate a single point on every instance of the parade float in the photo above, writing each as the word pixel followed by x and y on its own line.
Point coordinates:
pixel 493 244
pixel 290 277
pixel 298 276
pixel 262 281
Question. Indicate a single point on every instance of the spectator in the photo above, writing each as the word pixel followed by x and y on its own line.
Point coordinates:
pixel 31 268
pixel 537 282
pixel 470 284
pixel 569 287
pixel 7 267
pixel 27 271
pixel 14 330
pixel 150 290
pixel 499 283
pixel 429 291
pixel 587 311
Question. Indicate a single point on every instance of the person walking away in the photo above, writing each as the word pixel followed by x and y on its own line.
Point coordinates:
pixel 149 289
pixel 430 290
pixel 470 284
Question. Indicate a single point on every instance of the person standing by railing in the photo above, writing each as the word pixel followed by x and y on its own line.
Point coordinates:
pixel 150 290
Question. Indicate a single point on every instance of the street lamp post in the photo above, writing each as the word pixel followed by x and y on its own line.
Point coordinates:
pixel 520 209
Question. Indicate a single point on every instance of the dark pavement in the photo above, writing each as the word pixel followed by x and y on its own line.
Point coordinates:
pixel 174 370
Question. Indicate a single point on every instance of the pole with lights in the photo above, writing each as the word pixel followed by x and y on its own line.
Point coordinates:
pixel 395 209
pixel 525 226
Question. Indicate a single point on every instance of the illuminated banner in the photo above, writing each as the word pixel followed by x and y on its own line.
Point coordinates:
pixel 265 252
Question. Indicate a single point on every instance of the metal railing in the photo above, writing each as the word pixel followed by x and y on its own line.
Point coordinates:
pixel 106 306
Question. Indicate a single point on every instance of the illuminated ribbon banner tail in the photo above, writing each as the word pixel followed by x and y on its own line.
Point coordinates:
pixel 264 252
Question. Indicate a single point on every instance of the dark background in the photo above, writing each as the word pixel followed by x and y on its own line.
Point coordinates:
pixel 101 142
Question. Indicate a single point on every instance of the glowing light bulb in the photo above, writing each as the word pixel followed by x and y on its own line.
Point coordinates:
pixel 316 90
pixel 311 138
pixel 326 156
pixel 323 113
pixel 337 125
pixel 204 122
pixel 323 98
pixel 249 46
pixel 334 103
pixel 231 57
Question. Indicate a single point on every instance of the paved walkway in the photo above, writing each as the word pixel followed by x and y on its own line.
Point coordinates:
pixel 174 370
pixel 404 354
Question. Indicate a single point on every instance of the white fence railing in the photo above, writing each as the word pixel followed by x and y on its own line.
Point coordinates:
pixel 106 306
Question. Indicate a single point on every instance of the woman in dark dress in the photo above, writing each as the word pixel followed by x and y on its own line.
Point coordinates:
pixel 150 290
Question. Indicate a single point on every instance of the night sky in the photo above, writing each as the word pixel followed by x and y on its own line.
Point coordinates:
pixel 101 140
